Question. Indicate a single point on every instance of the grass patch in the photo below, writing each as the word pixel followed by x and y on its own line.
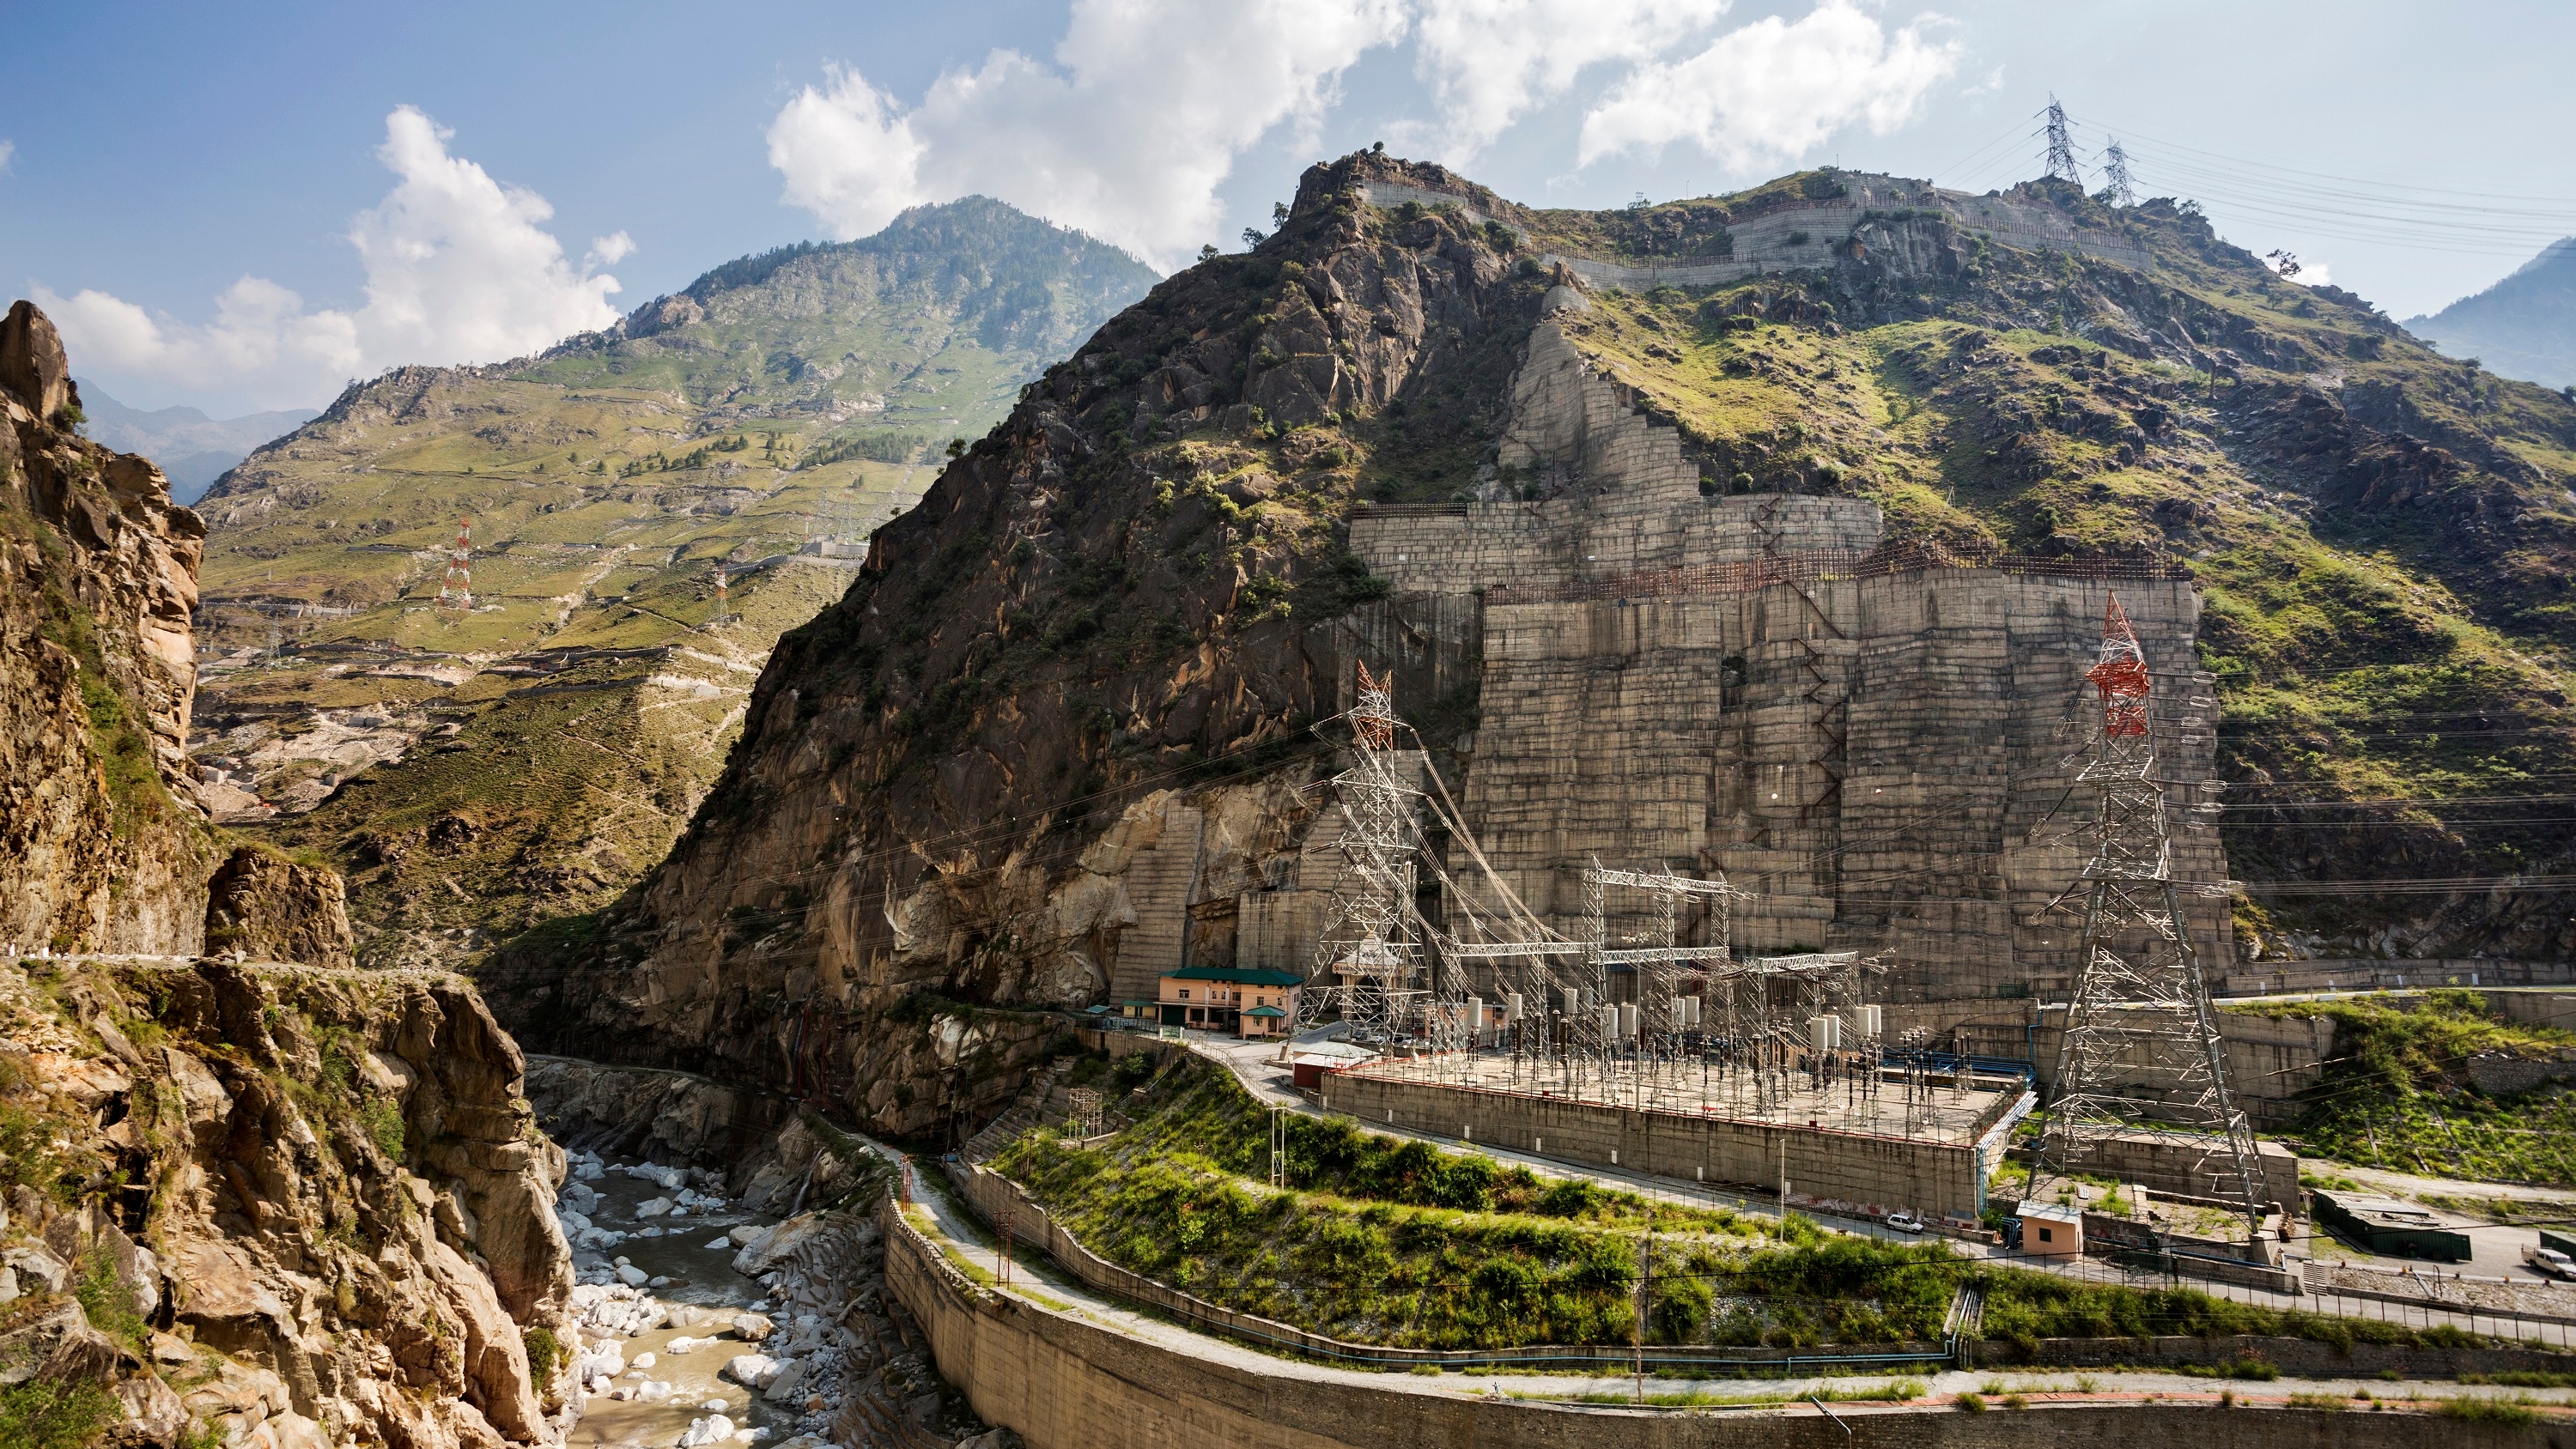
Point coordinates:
pixel 2489 1411
pixel 2397 1094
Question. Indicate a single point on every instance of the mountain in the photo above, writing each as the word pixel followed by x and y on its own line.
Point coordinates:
pixel 648 508
pixel 191 449
pixel 2523 326
pixel 1766 533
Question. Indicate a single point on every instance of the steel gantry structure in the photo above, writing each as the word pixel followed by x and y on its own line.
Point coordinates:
pixel 1404 981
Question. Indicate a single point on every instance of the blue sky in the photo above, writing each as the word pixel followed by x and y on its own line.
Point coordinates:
pixel 464 182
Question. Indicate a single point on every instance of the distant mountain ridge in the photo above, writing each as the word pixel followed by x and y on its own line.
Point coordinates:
pixel 2524 326
pixel 192 448
pixel 650 504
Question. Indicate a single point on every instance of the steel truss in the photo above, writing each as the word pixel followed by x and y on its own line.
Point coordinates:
pixel 2140 1054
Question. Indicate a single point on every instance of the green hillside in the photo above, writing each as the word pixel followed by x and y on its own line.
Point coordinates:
pixel 552 738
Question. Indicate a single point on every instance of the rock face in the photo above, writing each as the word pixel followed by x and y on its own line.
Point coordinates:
pixel 267 906
pixel 301 1203
pixel 102 843
pixel 1789 576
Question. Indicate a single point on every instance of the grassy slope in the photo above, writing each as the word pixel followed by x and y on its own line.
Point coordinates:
pixel 2397 1093
pixel 2409 645
pixel 605 482
pixel 1387 1241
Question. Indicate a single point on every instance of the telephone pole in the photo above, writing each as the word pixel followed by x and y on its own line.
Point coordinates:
pixel 2061 148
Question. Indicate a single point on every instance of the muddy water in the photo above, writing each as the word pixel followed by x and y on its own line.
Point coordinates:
pixel 703 1287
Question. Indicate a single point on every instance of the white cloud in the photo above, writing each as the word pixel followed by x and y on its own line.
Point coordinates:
pixel 1134 122
pixel 1489 62
pixel 2313 274
pixel 8 149
pixel 459 269
pixel 1126 134
pixel 1772 90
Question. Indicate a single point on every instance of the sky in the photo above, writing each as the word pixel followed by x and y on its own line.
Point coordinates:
pixel 245 207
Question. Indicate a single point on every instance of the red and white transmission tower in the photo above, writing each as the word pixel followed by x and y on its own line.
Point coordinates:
pixel 458 587
pixel 2140 1055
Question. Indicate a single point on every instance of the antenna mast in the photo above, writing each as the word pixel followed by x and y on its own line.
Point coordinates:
pixel 2140 1055
pixel 2061 149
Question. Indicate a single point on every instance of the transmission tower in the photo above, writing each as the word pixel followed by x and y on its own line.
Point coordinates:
pixel 2115 175
pixel 458 587
pixel 2141 1053
pixel 724 605
pixel 2061 149
pixel 1368 961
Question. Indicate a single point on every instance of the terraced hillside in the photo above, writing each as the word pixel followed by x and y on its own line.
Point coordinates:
pixel 476 768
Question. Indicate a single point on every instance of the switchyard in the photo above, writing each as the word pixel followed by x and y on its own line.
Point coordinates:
pixel 1645 1050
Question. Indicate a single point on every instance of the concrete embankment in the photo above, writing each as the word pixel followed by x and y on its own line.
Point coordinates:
pixel 1062 1382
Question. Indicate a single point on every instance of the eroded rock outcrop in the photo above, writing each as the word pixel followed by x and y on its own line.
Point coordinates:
pixel 297 1207
pixel 274 908
pixel 102 843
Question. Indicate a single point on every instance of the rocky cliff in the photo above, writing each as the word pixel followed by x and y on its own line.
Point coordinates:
pixel 278 1205
pixel 102 843
pixel 1874 486
pixel 289 1206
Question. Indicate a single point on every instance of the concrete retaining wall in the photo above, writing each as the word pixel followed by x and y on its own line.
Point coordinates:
pixel 1062 1383
pixel 1871 1174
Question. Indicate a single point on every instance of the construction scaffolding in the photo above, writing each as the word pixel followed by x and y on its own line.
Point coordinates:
pixel 2141 1053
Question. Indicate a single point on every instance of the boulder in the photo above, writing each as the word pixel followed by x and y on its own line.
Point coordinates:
pixel 752 1327
pixel 713 1429
pixel 653 1207
pixel 788 1382
pixel 751 1370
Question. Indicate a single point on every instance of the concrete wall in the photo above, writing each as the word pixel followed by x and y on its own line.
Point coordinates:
pixel 2187 1170
pixel 1881 759
pixel 2269 1061
pixel 1825 1168
pixel 1063 1383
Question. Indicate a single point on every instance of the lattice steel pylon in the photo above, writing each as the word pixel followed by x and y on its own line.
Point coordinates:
pixel 458 587
pixel 2115 176
pixel 2141 1052
pixel 2061 146
pixel 1368 960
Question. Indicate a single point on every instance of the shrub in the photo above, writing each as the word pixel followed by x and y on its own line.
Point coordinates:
pixel 45 1415
pixel 2488 1411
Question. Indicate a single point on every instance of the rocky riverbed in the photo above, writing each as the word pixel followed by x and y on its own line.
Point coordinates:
pixel 730 1293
